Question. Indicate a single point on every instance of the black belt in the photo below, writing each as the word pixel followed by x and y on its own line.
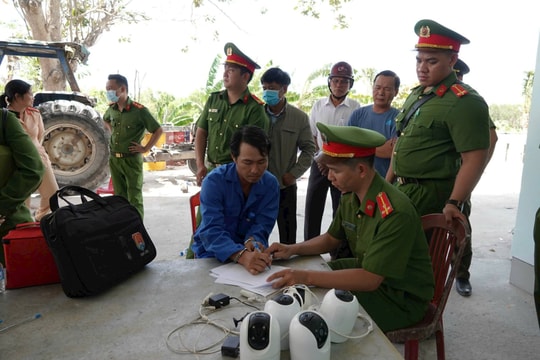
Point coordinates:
pixel 123 155
pixel 405 180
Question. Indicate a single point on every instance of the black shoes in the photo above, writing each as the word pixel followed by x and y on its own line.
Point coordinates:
pixel 463 287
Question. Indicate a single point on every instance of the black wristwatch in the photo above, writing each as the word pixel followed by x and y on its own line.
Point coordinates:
pixel 456 203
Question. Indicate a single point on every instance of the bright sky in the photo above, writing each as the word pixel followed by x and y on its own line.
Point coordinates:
pixel 504 39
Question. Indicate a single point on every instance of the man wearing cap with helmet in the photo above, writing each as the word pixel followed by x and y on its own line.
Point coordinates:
pixel 390 269
pixel 443 129
pixel 226 111
pixel 332 110
pixel 463 285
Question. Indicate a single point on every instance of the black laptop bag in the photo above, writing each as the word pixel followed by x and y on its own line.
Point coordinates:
pixel 96 243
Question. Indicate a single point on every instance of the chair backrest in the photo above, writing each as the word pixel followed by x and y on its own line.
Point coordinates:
pixel 108 190
pixel 446 247
pixel 194 202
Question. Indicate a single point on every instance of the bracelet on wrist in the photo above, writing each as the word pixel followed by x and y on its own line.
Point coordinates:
pixel 237 257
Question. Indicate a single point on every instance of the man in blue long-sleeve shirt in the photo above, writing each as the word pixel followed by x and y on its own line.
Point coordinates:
pixel 239 204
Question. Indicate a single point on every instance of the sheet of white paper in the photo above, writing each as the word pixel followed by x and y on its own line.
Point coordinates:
pixel 234 274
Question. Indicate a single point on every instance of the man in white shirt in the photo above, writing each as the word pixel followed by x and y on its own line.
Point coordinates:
pixel 332 110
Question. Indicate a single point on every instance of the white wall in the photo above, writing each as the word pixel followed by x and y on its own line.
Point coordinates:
pixel 522 269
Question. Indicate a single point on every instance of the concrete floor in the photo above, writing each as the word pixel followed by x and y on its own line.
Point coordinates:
pixel 497 322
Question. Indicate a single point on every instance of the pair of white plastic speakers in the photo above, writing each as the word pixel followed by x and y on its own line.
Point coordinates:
pixel 288 323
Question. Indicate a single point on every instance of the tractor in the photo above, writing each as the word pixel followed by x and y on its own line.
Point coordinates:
pixel 75 137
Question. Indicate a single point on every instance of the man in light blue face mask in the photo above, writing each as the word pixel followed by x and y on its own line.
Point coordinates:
pixel 292 148
pixel 128 122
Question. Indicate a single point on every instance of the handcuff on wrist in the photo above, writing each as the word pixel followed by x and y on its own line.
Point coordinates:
pixel 237 257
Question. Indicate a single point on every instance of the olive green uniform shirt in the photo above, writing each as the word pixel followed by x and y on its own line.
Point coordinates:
pixel 454 121
pixel 21 172
pixel 128 125
pixel 289 133
pixel 393 246
pixel 431 144
pixel 221 120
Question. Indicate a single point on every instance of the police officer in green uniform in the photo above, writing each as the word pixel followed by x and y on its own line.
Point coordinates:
pixel 128 121
pixel 390 273
pixel 21 171
pixel 226 111
pixel 463 285
pixel 444 137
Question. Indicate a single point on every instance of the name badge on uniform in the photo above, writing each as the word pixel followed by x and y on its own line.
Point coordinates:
pixel 348 225
pixel 212 110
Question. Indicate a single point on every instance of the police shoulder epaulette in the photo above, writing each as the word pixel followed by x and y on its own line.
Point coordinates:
pixel 459 90
pixel 138 105
pixel 385 207
pixel 257 99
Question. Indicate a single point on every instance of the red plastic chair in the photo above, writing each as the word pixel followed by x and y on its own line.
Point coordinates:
pixel 194 203
pixel 108 190
pixel 446 246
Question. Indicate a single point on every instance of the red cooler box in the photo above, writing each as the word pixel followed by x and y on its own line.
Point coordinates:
pixel 29 261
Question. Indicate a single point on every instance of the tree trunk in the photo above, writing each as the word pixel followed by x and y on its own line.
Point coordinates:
pixel 46 29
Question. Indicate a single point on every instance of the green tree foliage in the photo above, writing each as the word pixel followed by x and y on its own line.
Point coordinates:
pixel 507 118
pixel 312 8
pixel 82 21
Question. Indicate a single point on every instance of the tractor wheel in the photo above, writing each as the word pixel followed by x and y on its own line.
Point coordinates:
pixel 77 143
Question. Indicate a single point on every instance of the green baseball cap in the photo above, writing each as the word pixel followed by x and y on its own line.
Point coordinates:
pixel 349 141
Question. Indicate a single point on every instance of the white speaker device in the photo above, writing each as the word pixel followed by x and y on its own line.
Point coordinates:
pixel 340 309
pixel 283 307
pixel 259 337
pixel 309 337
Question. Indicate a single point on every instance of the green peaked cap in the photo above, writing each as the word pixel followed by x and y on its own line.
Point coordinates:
pixel 359 142
pixel 432 35
pixel 461 67
pixel 235 56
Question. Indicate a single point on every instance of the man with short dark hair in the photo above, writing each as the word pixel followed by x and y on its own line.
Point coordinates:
pixel 239 204
pixel 292 147
pixel 128 121
pixel 444 139
pixel 380 116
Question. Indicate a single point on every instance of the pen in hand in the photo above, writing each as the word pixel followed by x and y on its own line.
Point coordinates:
pixel 258 249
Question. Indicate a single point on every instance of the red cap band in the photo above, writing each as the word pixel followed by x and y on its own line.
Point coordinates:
pixel 236 59
pixel 346 151
pixel 438 42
